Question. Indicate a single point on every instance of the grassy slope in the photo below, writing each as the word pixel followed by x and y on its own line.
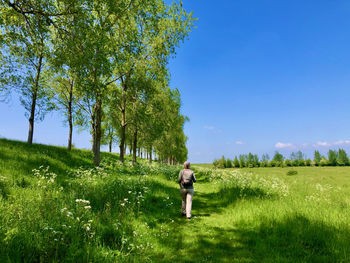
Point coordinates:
pixel 311 224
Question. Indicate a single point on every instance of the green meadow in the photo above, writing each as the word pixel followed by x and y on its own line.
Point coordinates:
pixel 56 206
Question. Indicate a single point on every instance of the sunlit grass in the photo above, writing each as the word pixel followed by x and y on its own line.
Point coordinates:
pixel 55 206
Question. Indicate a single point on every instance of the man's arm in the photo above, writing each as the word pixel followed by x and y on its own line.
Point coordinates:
pixel 180 177
pixel 193 178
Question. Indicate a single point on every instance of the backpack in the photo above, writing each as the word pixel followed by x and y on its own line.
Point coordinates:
pixel 187 180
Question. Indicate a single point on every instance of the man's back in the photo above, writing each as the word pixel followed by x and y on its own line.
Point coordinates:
pixel 186 178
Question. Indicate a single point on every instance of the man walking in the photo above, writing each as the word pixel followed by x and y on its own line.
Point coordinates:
pixel 186 180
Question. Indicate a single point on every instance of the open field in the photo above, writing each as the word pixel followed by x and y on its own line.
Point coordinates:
pixel 74 212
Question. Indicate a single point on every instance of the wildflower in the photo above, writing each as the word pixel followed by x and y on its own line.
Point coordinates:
pixel 82 201
pixel 87 207
pixel 122 204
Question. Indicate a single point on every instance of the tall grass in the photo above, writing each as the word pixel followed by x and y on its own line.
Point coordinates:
pixel 56 206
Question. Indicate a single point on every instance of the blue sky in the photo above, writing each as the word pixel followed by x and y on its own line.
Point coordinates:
pixel 255 76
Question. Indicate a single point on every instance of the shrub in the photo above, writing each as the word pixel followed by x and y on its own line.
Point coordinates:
pixel 236 162
pixel 288 163
pixel 292 172
pixel 4 188
pixel 221 163
pixel 308 162
pixel 323 162
pixel 215 163
pixel 228 163
pixel 301 162
pixel 22 183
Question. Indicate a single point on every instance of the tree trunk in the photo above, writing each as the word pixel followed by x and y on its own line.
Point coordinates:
pixel 70 118
pixel 98 131
pixel 93 131
pixel 134 160
pixel 34 97
pixel 110 144
pixel 150 156
pixel 123 123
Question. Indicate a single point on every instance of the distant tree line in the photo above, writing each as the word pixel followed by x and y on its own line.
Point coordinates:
pixel 333 158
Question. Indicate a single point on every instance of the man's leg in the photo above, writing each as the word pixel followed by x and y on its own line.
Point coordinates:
pixel 183 195
pixel 189 202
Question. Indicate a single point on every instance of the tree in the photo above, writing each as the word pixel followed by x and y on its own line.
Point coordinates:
pixel 308 162
pixel 317 158
pixel 332 158
pixel 26 37
pixel 63 93
pixel 288 163
pixel 343 159
pixel 250 160
pixel 228 163
pixel 150 44
pixel 278 159
pixel 236 162
pixel 297 158
pixel 256 160
pixel 265 160
pixel 242 161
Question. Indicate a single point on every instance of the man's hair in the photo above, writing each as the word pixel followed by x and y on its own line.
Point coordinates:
pixel 187 164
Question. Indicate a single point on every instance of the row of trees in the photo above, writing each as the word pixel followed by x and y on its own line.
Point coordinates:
pixel 333 158
pixel 103 64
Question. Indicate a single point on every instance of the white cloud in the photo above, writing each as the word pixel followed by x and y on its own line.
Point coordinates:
pixel 213 129
pixel 323 144
pixel 240 142
pixel 281 145
pixel 209 127
pixel 342 142
pixel 288 145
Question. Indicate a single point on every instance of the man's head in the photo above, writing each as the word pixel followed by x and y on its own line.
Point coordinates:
pixel 187 165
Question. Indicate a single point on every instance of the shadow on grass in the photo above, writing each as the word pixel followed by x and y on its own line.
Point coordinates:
pixel 19 158
pixel 215 202
pixel 294 239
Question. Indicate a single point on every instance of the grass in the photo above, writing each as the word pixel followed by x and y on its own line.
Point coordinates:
pixel 74 212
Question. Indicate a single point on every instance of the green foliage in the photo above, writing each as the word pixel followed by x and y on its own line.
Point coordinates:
pixel 332 158
pixel 222 163
pixel 324 161
pixel 292 172
pixel 343 159
pixel 337 158
pixel 308 162
pixel 4 187
pixel 124 213
pixel 277 160
pixel 287 163
pixel 236 162
pixel 99 56
pixel 317 158
pixel 242 161
pixel 228 163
